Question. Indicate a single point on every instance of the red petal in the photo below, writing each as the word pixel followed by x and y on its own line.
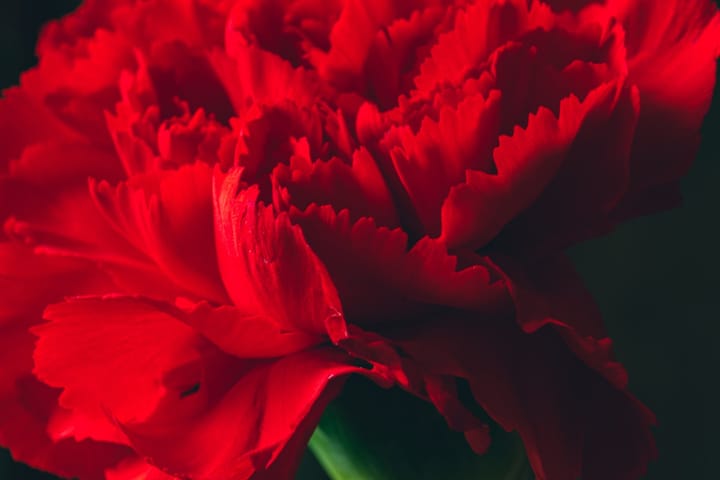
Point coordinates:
pixel 546 66
pixel 28 406
pixel 276 26
pixel 243 335
pixel 26 121
pixel 592 180
pixel 573 423
pixel 168 215
pixel 134 153
pixel 430 162
pixel 545 165
pixel 121 365
pixel 58 162
pixel 392 59
pixel 379 280
pixel 550 292
pixel 270 136
pixel 268 268
pixel 29 281
pixel 179 72
pixel 136 469
pixel 67 223
pixel 254 76
pixel 358 187
pixel 82 425
pixel 174 395
pixel 672 50
pixel 370 124
pixel 351 39
pixel 197 137
pixel 86 70
pixel 263 421
pixel 77 85
pixel 443 393
pixel 478 30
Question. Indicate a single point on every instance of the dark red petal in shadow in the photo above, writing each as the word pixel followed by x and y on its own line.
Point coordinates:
pixel 549 291
pixel 381 280
pixel 535 165
pixel 534 384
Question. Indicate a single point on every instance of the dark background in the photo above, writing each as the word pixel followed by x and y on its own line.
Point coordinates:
pixel 655 278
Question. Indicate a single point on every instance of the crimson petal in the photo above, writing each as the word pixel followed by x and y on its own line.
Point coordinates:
pixel 268 268
pixel 166 216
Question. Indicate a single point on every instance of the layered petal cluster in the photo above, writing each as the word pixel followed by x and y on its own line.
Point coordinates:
pixel 216 210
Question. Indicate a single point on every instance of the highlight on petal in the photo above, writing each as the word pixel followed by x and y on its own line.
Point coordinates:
pixel 267 267
pixel 672 54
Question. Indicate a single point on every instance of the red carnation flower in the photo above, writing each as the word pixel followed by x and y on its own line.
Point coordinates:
pixel 283 193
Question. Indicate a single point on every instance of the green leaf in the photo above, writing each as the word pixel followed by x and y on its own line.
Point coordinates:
pixel 369 433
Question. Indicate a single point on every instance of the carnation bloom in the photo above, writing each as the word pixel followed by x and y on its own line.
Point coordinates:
pixel 215 211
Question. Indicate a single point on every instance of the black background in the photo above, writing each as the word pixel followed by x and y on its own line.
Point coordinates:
pixel 656 280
